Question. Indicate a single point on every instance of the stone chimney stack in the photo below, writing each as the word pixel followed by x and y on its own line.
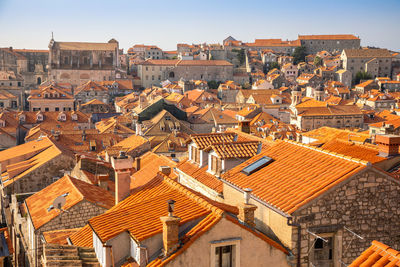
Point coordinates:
pixel 102 180
pixel 170 230
pixel 166 170
pixel 122 166
pixel 388 145
pixel 246 210
pixel 137 163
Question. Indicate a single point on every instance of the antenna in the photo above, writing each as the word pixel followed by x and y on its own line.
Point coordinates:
pixel 52 36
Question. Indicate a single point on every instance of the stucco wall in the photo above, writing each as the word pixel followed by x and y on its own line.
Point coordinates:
pixel 253 250
pixel 267 220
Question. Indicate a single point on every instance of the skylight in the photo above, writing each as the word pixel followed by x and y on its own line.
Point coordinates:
pixel 257 165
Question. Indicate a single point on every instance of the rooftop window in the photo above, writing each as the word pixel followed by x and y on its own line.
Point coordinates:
pixel 257 165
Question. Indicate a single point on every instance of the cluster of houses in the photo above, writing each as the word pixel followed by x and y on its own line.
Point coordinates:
pixel 271 153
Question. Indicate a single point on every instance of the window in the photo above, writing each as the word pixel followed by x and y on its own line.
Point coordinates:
pixel 257 165
pixel 224 256
pixel 323 252
pixel 46 109
pixel 216 165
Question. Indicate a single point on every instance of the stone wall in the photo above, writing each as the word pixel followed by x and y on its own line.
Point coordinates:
pixel 43 176
pixel 314 46
pixel 368 204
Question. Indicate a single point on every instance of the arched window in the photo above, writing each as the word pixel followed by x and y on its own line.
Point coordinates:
pixel 172 74
pixel 39 80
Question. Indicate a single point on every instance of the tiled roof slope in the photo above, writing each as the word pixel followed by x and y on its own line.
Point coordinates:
pixel 366 152
pixel 77 190
pixel 297 174
pixel 328 37
pixel 235 149
pixel 59 236
pixel 205 140
pixel 150 164
pixel 83 237
pixel 370 53
pixel 140 215
pixel 23 159
pixel 201 175
pixel 325 134
pixel 377 254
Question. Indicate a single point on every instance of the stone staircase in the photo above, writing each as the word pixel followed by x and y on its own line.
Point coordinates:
pixel 68 256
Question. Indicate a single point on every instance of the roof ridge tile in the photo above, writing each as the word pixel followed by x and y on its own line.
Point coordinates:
pixel 328 152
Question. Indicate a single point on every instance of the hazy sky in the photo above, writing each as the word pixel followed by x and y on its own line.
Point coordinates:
pixel 29 23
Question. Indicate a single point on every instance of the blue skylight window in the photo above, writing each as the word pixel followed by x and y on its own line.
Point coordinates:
pixel 257 165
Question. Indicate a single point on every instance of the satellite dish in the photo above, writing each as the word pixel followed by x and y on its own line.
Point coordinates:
pixel 59 202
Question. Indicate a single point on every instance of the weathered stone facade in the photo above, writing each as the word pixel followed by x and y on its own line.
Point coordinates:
pixel 41 177
pixel 368 204
pixel 77 62
pixel 75 217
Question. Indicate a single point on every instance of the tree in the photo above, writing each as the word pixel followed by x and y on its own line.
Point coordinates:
pixel 240 55
pixel 362 75
pixel 318 61
pixel 213 84
pixel 274 65
pixel 299 54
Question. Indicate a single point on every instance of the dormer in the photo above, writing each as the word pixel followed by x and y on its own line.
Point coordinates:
pixel 2 123
pixel 39 117
pixel 276 100
pixel 74 116
pixel 62 116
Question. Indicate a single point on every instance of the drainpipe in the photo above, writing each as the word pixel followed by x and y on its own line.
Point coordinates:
pixel 290 222
pixel 111 254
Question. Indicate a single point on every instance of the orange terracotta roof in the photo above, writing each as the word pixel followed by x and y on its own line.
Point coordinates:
pixel 149 166
pixel 329 37
pixel 235 149
pixel 94 102
pixel 90 85
pixel 326 134
pixel 59 236
pixel 201 175
pixel 363 152
pixel 203 141
pixel 329 110
pixel 128 144
pixel 39 203
pixel 297 174
pixel 140 213
pixel 378 254
pixel 23 159
pixel 83 237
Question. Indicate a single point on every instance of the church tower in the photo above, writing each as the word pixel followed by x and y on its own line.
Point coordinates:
pixel 319 93
pixel 296 96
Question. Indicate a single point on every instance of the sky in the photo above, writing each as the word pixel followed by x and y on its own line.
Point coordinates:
pixel 29 23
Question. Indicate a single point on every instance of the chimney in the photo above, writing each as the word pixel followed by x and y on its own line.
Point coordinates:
pixel 122 166
pixel 246 210
pixel 102 180
pixel 388 145
pixel 83 135
pixel 137 161
pixel 56 135
pixel 170 230
pixel 165 170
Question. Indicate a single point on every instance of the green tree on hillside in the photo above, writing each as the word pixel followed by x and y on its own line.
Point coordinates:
pixel 299 54
pixel 362 75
